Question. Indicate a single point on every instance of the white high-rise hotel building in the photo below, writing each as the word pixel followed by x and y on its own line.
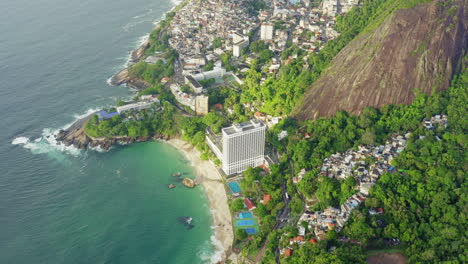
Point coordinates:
pixel 243 146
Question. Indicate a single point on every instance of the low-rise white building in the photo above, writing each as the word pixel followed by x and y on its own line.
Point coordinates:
pixel 135 106
pixel 217 72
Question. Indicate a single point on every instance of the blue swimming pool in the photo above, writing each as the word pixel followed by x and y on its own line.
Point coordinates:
pixel 245 215
pixel 234 186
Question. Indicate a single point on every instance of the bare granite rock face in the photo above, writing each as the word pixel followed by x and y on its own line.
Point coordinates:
pixel 417 49
pixel 123 77
pixel 139 53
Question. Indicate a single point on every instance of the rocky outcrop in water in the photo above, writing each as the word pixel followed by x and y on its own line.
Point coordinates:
pixel 189 182
pixel 139 53
pixel 76 136
pixel 123 77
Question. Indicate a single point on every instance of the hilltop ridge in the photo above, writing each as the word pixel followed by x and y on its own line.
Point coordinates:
pixel 413 50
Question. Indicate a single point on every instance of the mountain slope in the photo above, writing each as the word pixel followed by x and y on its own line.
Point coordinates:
pixel 416 49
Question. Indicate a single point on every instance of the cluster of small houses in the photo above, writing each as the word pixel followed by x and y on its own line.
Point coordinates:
pixel 197 25
pixel 437 120
pixel 351 164
pixel 315 27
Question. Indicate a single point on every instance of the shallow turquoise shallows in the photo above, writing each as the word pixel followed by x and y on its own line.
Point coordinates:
pixel 66 206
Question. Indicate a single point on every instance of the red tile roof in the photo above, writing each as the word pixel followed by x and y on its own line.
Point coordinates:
pixel 266 198
pixel 249 204
pixel 313 241
pixel 288 252
pixel 298 239
pixel 259 114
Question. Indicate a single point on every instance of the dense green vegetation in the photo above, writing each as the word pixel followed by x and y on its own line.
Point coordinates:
pixel 153 73
pixel 424 205
pixel 144 123
pixel 159 44
pixel 319 253
pixel 217 42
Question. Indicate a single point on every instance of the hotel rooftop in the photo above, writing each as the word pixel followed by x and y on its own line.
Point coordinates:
pixel 236 128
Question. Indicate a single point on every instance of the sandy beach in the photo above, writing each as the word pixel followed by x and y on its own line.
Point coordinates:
pixel 211 180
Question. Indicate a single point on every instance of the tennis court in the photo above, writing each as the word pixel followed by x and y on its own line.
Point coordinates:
pixel 249 225
pixel 234 186
pixel 245 222
pixel 250 231
pixel 245 215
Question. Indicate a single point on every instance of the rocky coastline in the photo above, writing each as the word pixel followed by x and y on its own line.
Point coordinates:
pixel 76 136
pixel 123 77
pixel 207 175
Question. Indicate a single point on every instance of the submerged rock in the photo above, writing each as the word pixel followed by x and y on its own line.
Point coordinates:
pixel 187 221
pixel 171 186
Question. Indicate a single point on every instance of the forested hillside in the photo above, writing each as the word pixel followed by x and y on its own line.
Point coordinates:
pixel 424 203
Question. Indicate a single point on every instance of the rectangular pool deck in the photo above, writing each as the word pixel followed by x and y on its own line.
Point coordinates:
pixel 245 215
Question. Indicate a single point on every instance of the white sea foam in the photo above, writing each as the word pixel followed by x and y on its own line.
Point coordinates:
pixel 87 113
pixel 206 253
pixel 176 2
pixel 217 256
pixel 109 80
pixel 78 117
pixel 47 142
pixel 98 149
pixel 20 141
pixel 134 23
pixel 144 14
pixel 128 58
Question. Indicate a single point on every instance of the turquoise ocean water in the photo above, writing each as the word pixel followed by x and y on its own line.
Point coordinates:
pixel 60 205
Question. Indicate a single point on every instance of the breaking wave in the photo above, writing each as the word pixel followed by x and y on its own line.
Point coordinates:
pixel 206 253
pixel 144 14
pixel 176 2
pixel 47 143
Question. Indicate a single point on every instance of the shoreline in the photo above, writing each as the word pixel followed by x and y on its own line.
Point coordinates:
pixel 206 173
pixel 122 77
pixel 212 182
